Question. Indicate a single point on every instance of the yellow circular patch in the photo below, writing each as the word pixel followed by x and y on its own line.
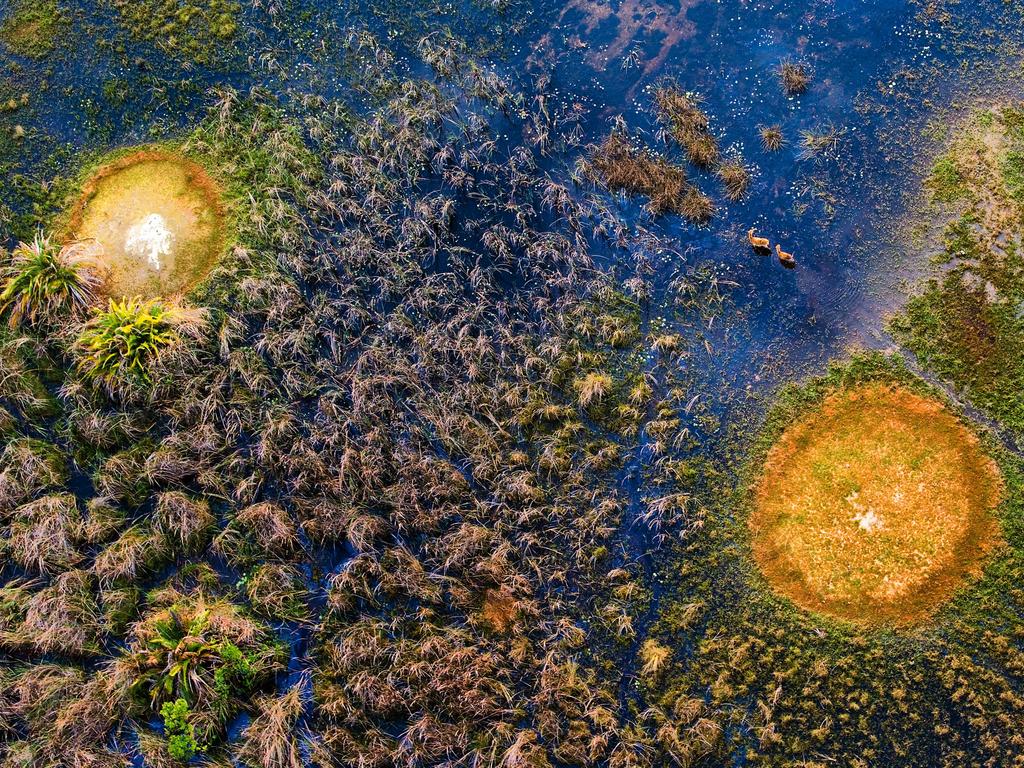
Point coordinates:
pixel 875 507
pixel 157 223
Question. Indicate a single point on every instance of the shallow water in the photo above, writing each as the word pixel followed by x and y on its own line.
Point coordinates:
pixel 884 73
pixel 881 72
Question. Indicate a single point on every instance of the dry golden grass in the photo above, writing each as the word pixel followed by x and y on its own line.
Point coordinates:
pixel 158 221
pixel 499 610
pixel 623 167
pixel 875 507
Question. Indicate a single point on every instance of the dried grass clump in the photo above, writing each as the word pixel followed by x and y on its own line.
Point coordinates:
pixel 278 591
pixel 186 521
pixel 122 477
pixel 772 138
pixel 696 206
pixel 186 455
pixel 29 466
pixel 623 167
pixel 795 77
pixel 654 657
pixel 45 533
pixel 61 618
pixel 67 713
pixel 592 388
pixel 35 693
pixel 735 178
pixel 272 739
pixel 688 124
pixel 257 532
pixel 138 550
pixel 21 388
pixel 103 520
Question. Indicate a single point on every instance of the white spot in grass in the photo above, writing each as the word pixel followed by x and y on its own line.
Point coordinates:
pixel 150 238
pixel 863 516
pixel 868 520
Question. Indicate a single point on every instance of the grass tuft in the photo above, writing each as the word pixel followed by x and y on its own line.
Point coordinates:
pixel 771 137
pixel 795 77
pixel 43 280
pixel 120 346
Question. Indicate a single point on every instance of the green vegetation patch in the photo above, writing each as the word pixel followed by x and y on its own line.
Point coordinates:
pixel 188 30
pixel 31 30
pixel 196 660
pixel 966 324
pixel 726 654
pixel 946 183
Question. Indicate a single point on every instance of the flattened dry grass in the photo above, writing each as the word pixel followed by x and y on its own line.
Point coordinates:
pixel 620 166
pixel 875 507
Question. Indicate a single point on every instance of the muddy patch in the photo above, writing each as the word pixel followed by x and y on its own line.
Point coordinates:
pixel 157 222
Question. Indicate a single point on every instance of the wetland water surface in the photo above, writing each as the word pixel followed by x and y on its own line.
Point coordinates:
pixel 391 383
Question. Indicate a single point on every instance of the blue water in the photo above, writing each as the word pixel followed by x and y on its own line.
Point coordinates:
pixel 581 56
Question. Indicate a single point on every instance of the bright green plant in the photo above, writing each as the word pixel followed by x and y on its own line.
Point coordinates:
pixel 235 675
pixel 183 650
pixel 120 345
pixel 43 279
pixel 181 734
pixel 206 652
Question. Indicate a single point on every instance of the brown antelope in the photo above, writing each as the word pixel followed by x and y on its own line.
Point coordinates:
pixel 757 243
pixel 785 259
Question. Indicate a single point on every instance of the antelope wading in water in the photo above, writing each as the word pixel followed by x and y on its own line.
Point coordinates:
pixel 758 243
pixel 785 259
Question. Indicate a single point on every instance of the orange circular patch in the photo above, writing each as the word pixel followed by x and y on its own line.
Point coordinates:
pixel 156 222
pixel 875 507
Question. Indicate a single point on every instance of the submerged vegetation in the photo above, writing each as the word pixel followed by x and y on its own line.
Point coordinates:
pixel 422 467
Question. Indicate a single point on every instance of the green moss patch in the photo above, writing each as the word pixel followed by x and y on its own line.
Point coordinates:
pixel 31 30
pixel 192 31
pixel 966 324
